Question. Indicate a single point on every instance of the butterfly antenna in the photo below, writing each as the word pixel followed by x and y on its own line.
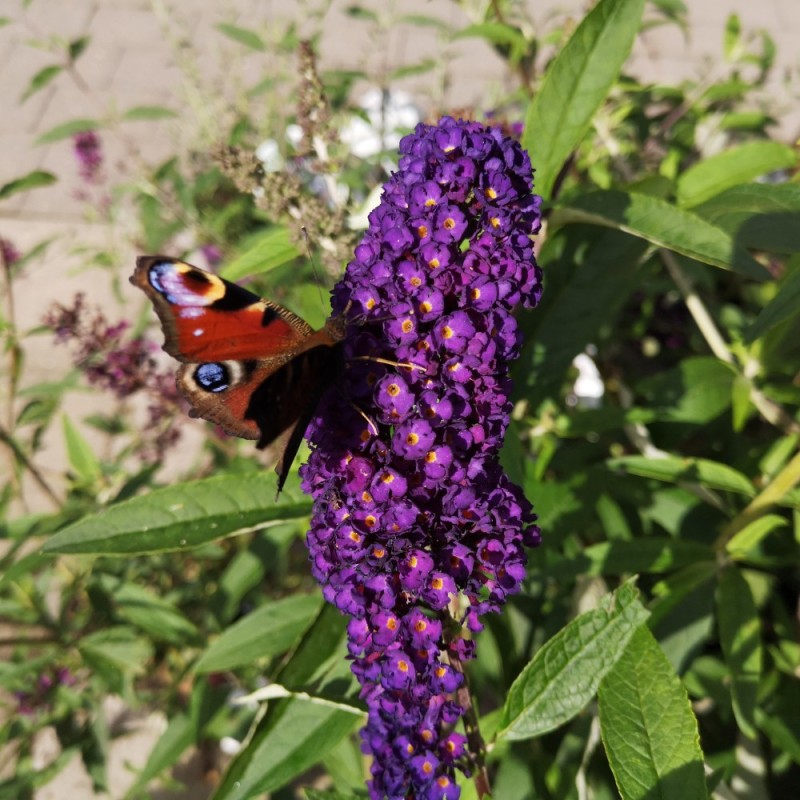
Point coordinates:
pixel 313 265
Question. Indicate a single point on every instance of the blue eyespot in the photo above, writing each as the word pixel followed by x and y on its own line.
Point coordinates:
pixel 213 377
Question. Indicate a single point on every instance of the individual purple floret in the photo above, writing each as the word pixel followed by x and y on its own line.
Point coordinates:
pixel 416 530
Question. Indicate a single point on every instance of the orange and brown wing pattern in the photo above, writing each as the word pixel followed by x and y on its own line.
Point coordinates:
pixel 206 318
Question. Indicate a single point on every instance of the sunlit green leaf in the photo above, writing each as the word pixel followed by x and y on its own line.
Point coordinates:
pixel 268 631
pixel 262 253
pixel 731 167
pixel 662 224
pixel 181 516
pixel 565 673
pixel 41 79
pixel 242 35
pixel 68 129
pixel 648 728
pixel 148 113
pixel 576 84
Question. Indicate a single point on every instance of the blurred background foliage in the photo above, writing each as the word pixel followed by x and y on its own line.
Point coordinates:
pixel 656 431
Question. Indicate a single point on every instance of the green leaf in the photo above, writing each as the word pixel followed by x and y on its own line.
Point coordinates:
pixel 648 555
pixel 264 252
pixel 171 745
pixel 148 113
pixel 648 728
pixel 498 33
pixel 77 47
pixel 329 794
pixel 40 80
pixel 268 631
pixel 118 647
pixel 784 305
pixel 33 180
pixel 152 614
pixel 564 675
pixel 662 224
pixel 67 129
pixel 293 736
pixel 81 456
pixel 573 314
pixel 750 536
pixel 420 68
pixel 740 637
pixel 697 390
pixel 695 470
pixel 760 215
pixel 242 35
pixel 576 84
pixel 181 516
pixel 731 167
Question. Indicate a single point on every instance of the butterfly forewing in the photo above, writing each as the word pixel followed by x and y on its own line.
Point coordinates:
pixel 207 318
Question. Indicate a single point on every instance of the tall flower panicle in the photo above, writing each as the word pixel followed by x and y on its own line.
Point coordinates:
pixel 416 529
pixel 123 365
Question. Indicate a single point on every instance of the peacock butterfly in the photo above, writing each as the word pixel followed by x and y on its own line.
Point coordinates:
pixel 249 365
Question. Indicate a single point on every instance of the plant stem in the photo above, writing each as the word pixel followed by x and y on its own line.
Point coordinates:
pixel 477 747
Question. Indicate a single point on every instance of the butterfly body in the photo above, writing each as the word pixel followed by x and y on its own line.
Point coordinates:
pixel 249 365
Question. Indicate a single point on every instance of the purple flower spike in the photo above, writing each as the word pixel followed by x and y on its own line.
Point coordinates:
pixel 417 532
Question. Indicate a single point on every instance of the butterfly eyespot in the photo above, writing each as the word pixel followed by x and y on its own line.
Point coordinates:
pixel 214 377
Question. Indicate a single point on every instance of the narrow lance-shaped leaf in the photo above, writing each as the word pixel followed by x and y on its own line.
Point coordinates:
pixel 740 637
pixel 268 631
pixel 564 675
pixel 33 180
pixel 784 305
pixel 576 84
pixel 262 253
pixel 181 516
pixel 648 728
pixel 731 167
pixel 674 469
pixel 662 224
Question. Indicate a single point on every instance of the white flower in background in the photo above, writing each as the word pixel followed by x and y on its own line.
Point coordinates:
pixel 390 115
pixel 588 390
pixel 269 154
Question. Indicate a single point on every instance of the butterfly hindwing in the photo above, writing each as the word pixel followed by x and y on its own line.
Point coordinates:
pixel 250 366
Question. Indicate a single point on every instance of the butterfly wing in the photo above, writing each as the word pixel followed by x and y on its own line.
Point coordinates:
pixel 249 365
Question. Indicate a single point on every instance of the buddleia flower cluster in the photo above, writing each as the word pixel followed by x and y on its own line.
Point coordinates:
pixel 416 530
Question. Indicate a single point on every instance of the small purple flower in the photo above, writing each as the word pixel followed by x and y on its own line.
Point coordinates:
pixel 428 515
pixel 9 254
pixel 89 153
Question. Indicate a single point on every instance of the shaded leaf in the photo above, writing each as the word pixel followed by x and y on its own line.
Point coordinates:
pixel 576 84
pixel 662 224
pixel 696 390
pixel 784 305
pixel 268 631
pixel 648 728
pixel 181 516
pixel 157 617
pixel 760 215
pixel 564 675
pixel 650 555
pixel 33 180
pixel 77 47
pixel 740 637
